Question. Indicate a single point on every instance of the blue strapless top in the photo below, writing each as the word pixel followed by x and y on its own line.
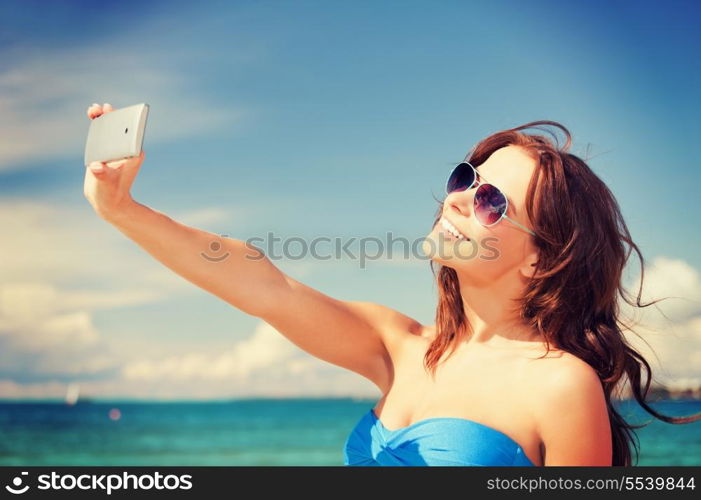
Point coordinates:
pixel 441 441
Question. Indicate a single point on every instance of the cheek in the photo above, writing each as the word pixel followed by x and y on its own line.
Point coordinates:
pixel 491 253
pixel 499 252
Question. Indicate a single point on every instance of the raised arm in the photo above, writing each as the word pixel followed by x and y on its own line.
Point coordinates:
pixel 359 336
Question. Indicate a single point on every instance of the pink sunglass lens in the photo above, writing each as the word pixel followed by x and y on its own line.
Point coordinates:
pixel 461 178
pixel 490 204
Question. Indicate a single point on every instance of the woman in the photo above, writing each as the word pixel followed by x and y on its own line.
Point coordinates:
pixel 527 348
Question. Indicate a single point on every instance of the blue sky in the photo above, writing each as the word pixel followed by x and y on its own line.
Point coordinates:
pixel 310 119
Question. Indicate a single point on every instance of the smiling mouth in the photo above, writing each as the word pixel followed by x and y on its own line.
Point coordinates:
pixel 452 230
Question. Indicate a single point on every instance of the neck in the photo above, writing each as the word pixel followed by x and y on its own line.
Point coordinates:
pixel 492 310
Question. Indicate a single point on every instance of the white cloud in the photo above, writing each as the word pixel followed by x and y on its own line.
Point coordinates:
pixel 29 300
pixel 676 279
pixel 52 346
pixel 45 92
pixel 44 243
pixel 39 346
pixel 46 321
pixel 674 350
pixel 10 389
pixel 48 332
pixel 264 364
pixel 264 349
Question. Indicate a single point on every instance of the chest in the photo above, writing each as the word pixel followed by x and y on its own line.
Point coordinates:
pixel 494 389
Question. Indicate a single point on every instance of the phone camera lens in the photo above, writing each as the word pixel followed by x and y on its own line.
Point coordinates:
pixel 126 130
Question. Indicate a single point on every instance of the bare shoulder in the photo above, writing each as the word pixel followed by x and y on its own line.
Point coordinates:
pixel 564 374
pixel 571 413
pixel 566 367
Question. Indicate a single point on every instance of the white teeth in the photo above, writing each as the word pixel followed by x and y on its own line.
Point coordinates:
pixel 448 226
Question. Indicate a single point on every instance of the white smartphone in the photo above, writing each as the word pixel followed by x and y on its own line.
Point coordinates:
pixel 116 135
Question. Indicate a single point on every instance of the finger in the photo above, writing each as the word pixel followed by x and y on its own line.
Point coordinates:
pixel 98 168
pixel 107 108
pixel 115 164
pixel 132 160
pixel 94 111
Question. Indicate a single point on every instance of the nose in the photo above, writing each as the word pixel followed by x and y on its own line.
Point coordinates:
pixel 461 202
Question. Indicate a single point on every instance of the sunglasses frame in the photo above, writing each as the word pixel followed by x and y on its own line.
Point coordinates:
pixel 479 184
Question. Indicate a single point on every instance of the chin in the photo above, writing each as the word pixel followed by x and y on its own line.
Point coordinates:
pixel 450 252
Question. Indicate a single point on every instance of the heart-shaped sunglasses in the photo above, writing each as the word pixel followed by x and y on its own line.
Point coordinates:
pixel 490 203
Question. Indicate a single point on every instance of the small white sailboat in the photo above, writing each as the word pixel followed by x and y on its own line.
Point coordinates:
pixel 72 394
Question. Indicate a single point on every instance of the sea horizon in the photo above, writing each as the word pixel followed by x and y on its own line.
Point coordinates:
pixel 247 431
pixel 91 399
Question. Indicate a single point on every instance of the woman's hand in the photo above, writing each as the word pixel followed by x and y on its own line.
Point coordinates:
pixel 107 184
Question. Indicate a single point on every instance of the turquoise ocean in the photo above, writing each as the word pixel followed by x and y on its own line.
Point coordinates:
pixel 245 432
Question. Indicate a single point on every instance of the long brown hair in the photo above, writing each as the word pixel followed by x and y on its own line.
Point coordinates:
pixel 572 299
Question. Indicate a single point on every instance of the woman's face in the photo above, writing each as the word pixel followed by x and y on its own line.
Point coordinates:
pixel 489 252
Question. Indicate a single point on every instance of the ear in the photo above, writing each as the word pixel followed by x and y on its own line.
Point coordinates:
pixel 527 268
